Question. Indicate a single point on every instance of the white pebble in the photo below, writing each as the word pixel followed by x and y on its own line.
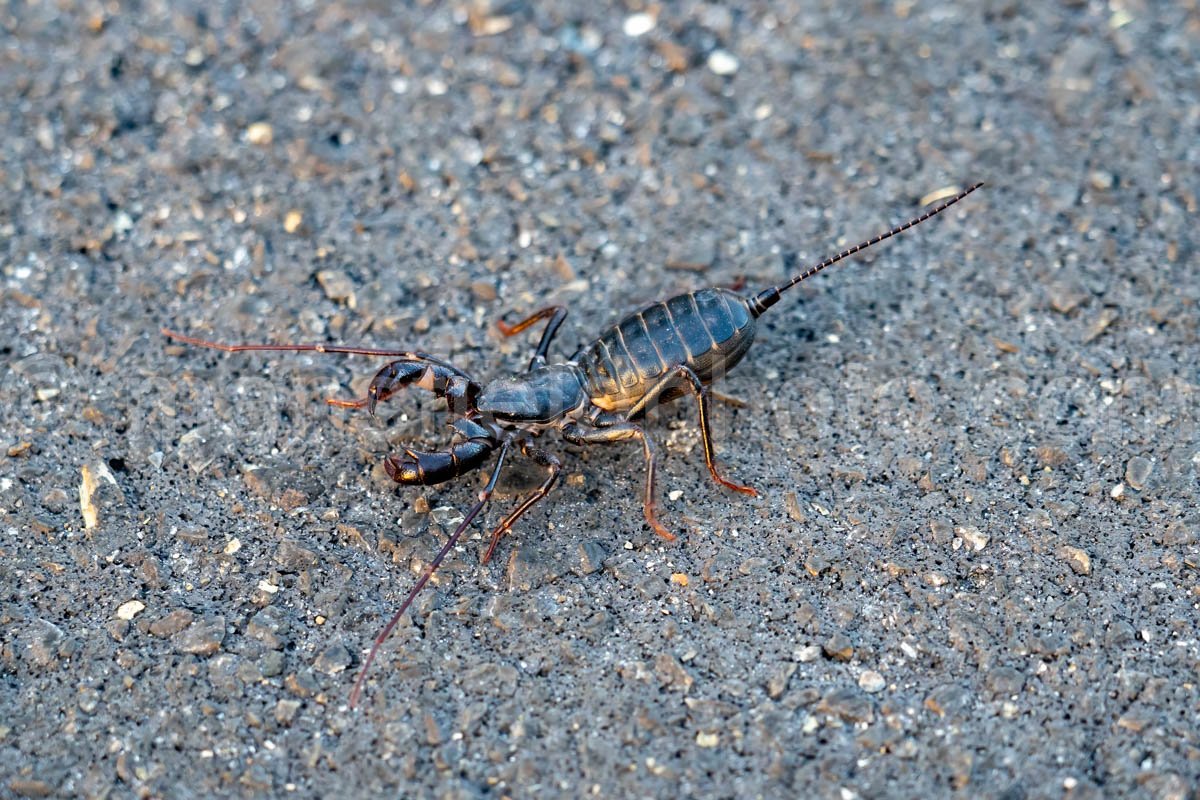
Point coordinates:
pixel 638 25
pixel 807 653
pixel 722 62
pixel 260 133
pixel 130 609
pixel 975 538
pixel 871 681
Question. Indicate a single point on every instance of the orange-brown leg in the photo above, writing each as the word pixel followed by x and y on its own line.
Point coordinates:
pixel 546 460
pixel 727 399
pixel 684 374
pixel 579 434
pixel 556 314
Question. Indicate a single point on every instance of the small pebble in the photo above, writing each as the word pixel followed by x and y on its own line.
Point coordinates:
pixel 172 623
pixel 838 647
pixel 269 627
pixel 807 653
pixel 1051 456
pixel 1065 299
pixel 1101 181
pixel 778 682
pixel 491 26
pixel 948 699
pixel 30 787
pixel 1079 560
pixel 1005 681
pixel 291 556
pixel 43 642
pixel 130 609
pixel 285 711
pixel 490 679
pixel 484 290
pixel 260 133
pixel 792 504
pixel 1137 472
pixel 334 659
pixel 752 565
pixel 338 286
pixel 722 62
pixel 590 557
pixel 638 25
pixel 302 684
pixel 707 739
pixel 469 151
pixel 847 705
pixel 292 221
pixel 93 477
pixel 942 193
pixel 973 537
pixel 936 579
pixel 871 682
pixel 816 564
pixel 202 638
pixel 1099 324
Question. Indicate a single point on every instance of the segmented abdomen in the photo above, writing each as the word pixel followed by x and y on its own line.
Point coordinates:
pixel 709 331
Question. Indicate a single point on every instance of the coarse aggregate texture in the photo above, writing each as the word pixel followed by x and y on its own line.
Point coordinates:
pixel 973 567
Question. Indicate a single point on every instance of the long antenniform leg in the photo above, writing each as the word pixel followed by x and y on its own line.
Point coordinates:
pixel 411 355
pixel 618 432
pixel 412 367
pixel 546 460
pixel 484 495
pixel 685 374
pixel 556 314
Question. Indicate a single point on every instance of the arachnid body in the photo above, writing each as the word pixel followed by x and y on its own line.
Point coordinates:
pixel 666 350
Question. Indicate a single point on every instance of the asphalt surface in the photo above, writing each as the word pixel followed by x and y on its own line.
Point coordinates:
pixel 972 567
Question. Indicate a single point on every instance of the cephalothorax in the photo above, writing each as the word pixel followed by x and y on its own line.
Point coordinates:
pixel 662 352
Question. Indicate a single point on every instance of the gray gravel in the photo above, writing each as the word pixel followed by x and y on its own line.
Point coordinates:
pixel 973 567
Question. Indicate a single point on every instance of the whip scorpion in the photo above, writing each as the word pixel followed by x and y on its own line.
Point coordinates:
pixel 666 350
